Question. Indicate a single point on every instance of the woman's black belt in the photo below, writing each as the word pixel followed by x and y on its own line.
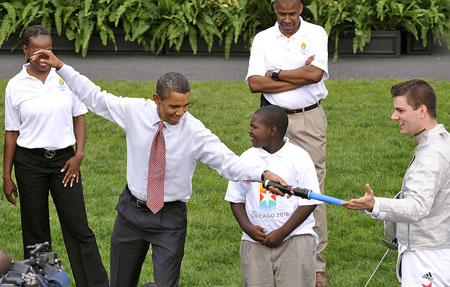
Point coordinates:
pixel 48 152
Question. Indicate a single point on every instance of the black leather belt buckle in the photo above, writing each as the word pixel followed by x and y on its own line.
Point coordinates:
pixel 141 204
pixel 49 153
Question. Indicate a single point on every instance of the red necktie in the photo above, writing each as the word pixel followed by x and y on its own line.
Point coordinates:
pixel 156 171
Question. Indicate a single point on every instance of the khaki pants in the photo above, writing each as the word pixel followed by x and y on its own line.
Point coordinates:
pixel 291 264
pixel 308 130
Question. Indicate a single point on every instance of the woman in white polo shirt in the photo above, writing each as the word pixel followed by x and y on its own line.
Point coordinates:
pixel 43 120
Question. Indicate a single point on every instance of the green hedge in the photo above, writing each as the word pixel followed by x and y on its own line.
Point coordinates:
pixel 152 24
pixel 359 17
pixel 155 24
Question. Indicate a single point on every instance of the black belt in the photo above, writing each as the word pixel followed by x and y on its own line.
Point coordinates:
pixel 143 204
pixel 48 153
pixel 305 109
pixel 140 203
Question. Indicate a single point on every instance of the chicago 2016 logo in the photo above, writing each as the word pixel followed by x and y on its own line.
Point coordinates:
pixel 267 200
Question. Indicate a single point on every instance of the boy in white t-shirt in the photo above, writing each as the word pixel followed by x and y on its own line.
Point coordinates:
pixel 278 244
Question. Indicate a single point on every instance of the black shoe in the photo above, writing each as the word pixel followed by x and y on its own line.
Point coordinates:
pixel 151 284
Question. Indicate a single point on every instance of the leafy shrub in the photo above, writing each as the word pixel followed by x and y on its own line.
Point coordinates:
pixel 359 17
pixel 418 17
pixel 78 20
pixel 152 24
pixel 167 23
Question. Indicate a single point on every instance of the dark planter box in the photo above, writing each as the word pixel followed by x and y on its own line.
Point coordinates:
pixel 236 49
pixel 382 43
pixel 10 43
pixel 61 43
pixel 415 47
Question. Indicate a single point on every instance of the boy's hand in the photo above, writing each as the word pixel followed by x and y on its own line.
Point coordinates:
pixel 47 57
pixel 257 233
pixel 274 238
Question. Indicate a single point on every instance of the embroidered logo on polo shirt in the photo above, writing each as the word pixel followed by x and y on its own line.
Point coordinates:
pixel 303 46
pixel 62 86
pixel 267 200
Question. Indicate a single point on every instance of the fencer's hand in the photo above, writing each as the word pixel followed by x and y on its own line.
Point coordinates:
pixel 47 57
pixel 256 232
pixel 10 191
pixel 364 203
pixel 275 178
pixel 72 169
pixel 274 238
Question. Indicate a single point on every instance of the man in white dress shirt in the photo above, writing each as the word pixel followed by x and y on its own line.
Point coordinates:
pixel 187 142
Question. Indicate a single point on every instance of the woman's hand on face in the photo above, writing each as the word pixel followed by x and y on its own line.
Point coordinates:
pixel 47 57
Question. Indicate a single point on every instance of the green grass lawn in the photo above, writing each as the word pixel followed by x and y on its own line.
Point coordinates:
pixel 364 146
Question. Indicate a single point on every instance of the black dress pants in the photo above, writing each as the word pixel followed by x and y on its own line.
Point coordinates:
pixel 135 229
pixel 36 175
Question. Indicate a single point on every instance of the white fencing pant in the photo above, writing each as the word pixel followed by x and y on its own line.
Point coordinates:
pixel 428 268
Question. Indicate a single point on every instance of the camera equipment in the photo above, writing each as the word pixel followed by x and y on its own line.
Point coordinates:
pixel 5 262
pixel 42 269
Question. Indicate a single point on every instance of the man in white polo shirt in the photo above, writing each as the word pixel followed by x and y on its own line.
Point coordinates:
pixel 288 64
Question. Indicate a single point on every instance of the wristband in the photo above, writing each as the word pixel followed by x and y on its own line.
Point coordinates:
pixel 275 74
pixel 263 175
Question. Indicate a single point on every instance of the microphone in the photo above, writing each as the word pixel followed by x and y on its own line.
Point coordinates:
pixel 302 192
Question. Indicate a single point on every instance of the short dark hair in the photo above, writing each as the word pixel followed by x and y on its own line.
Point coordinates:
pixel 273 115
pixel 417 92
pixel 34 31
pixel 172 81
pixel 287 1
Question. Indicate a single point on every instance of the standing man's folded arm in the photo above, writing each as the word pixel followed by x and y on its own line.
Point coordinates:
pixel 263 84
pixel 288 79
pixel 302 76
